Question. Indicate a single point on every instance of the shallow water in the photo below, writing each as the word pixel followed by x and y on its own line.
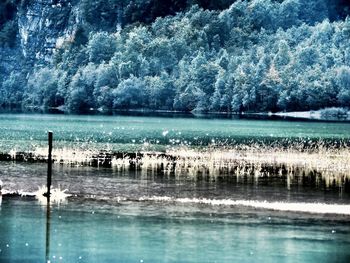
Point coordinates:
pixel 112 185
pixel 147 215
pixel 114 216
pixel 148 232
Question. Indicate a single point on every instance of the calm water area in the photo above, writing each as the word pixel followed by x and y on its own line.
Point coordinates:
pixel 136 215
pixel 25 132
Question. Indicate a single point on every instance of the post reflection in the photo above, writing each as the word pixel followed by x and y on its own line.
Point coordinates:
pixel 48 227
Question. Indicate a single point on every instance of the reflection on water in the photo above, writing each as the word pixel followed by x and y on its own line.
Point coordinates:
pixel 57 196
pixel 133 184
pixel 138 215
pixel 106 183
pixel 225 190
pixel 162 232
pixel 48 231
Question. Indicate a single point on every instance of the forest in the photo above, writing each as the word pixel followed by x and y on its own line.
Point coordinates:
pixel 206 56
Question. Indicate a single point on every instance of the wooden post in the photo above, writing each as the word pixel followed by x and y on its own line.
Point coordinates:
pixel 48 211
pixel 49 166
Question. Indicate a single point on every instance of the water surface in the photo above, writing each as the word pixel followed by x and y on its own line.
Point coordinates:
pixel 25 132
pixel 114 216
pixel 145 215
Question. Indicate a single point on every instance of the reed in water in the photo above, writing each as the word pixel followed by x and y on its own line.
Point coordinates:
pixel 326 163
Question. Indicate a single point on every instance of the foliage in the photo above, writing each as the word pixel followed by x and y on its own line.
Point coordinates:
pixel 45 88
pixel 207 56
pixel 8 25
pixel 11 91
pixel 8 34
pixel 336 113
pixel 7 11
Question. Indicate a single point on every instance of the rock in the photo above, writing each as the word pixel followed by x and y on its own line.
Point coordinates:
pixel 40 24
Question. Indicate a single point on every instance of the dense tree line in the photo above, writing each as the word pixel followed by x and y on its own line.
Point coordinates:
pixel 259 55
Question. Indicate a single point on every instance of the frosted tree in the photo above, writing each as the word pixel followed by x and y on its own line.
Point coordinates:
pixel 161 91
pixel 101 47
pixel 220 90
pixel 106 81
pixel 262 14
pixel 80 92
pixel 12 90
pixel 288 14
pixel 130 94
pixel 307 56
pixel 283 56
pixel 43 88
pixel 163 58
pixel 188 99
pixel 343 82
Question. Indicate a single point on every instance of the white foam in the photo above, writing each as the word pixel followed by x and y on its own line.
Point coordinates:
pixel 316 208
pixel 57 195
pixel 60 196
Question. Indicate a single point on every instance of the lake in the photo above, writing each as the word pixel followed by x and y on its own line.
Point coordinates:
pixel 132 133
pixel 137 213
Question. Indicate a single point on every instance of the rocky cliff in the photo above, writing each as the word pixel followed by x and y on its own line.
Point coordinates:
pixel 43 26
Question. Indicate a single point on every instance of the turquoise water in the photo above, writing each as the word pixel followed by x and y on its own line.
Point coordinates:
pixel 147 232
pixel 25 132
pixel 138 215
pixel 115 216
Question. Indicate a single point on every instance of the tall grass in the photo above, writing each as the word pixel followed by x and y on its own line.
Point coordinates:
pixel 328 164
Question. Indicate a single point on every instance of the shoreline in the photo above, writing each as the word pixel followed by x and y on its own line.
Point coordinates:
pixel 326 114
pixel 313 115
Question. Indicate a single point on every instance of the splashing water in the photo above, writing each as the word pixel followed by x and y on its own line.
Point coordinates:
pixel 57 196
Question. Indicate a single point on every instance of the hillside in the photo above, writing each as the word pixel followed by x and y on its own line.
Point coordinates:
pixel 204 55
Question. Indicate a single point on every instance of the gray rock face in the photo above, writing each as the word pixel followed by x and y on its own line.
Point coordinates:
pixel 43 26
